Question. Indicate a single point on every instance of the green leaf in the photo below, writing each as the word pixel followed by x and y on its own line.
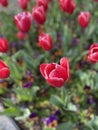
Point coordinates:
pixel 93 124
pixel 8 102
pixel 66 126
pixel 12 111
pixel 55 100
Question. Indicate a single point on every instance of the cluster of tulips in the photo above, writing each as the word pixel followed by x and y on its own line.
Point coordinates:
pixel 55 74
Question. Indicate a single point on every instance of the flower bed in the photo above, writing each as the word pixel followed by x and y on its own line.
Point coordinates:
pixel 48 65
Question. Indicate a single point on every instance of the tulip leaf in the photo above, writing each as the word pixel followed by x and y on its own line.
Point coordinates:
pixel 55 100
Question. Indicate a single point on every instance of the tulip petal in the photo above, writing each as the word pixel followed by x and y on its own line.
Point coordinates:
pixel 59 72
pixel 2 64
pixel 48 69
pixel 42 68
pixel 4 73
pixel 65 63
pixel 56 82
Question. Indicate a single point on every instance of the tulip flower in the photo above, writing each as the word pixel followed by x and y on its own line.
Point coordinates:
pixel 23 21
pixel 84 19
pixel 4 70
pixel 93 53
pixel 23 3
pixel 21 35
pixel 43 3
pixel 4 3
pixel 45 41
pixel 67 6
pixel 39 14
pixel 3 45
pixel 55 74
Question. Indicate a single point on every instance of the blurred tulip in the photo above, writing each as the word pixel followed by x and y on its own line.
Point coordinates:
pixel 39 14
pixel 4 3
pixel 3 45
pixel 4 70
pixel 67 6
pixel 45 41
pixel 23 3
pixel 23 21
pixel 93 53
pixel 84 19
pixel 43 3
pixel 21 35
pixel 95 0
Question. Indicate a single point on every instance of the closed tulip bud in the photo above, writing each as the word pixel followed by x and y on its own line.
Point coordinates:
pixel 84 19
pixel 45 41
pixel 39 14
pixel 3 45
pixel 23 21
pixel 23 3
pixel 4 2
pixel 4 70
pixel 67 6
pixel 21 35
pixel 43 3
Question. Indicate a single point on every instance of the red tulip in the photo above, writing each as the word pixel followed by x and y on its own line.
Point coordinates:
pixel 67 6
pixel 45 41
pixel 93 53
pixel 23 3
pixel 43 3
pixel 4 70
pixel 55 74
pixel 39 14
pixel 21 35
pixel 84 19
pixel 23 21
pixel 4 3
pixel 95 0
pixel 3 45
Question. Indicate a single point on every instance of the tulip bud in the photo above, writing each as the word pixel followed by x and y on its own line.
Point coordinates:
pixel 4 70
pixel 23 21
pixel 39 14
pixel 21 35
pixel 4 2
pixel 84 19
pixel 45 41
pixel 67 6
pixel 3 45
pixel 23 3
pixel 43 3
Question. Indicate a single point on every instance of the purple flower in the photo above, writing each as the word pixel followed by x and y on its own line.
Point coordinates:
pixel 87 87
pixel 27 85
pixel 33 115
pixel 75 41
pixel 90 100
pixel 51 119
pixel 57 113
